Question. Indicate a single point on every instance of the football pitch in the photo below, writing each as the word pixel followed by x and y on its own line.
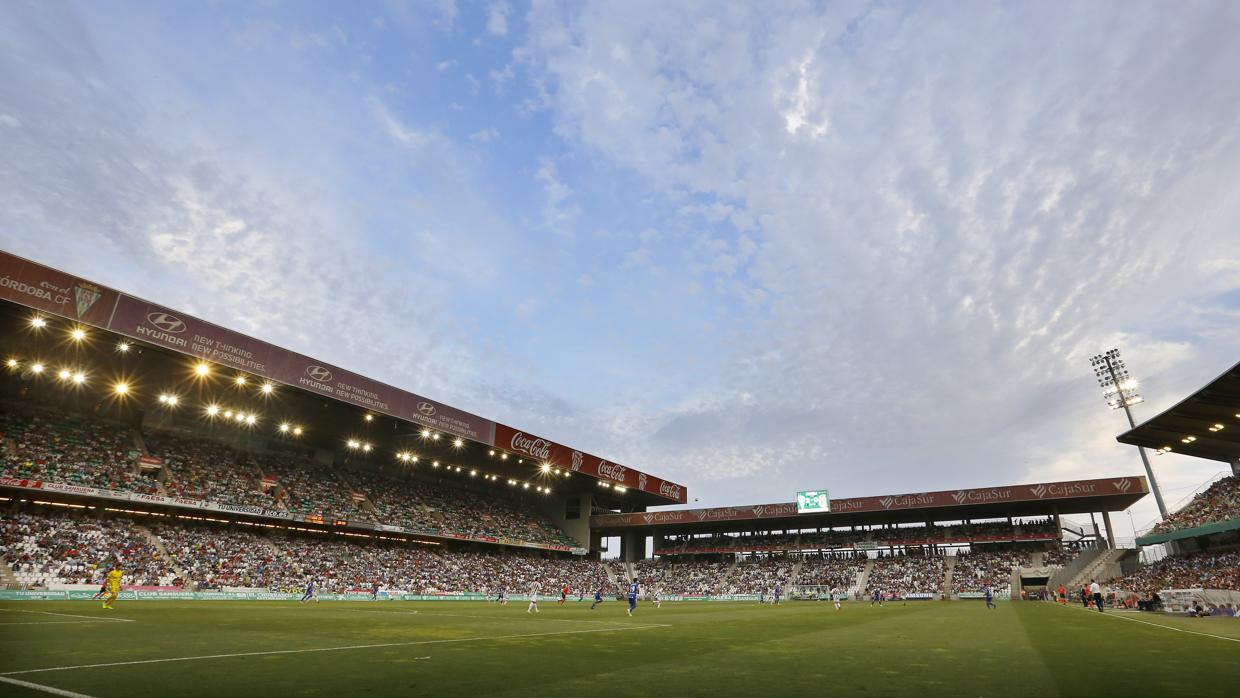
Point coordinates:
pixel 208 648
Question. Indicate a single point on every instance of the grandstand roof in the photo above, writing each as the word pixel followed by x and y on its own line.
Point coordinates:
pixel 154 326
pixel 1205 424
pixel 1041 499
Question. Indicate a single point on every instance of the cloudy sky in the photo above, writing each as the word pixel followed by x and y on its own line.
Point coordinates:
pixel 753 247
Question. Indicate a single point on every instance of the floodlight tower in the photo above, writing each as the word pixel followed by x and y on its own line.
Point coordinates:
pixel 1119 389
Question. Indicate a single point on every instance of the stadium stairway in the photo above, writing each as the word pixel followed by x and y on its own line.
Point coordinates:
pixel 163 552
pixel 727 577
pixel 949 570
pixel 8 580
pixel 796 570
pixel 863 580
pixel 1090 564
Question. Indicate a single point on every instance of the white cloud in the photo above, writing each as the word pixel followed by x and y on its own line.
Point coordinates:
pixel 923 237
pixel 441 66
pixel 485 135
pixel 497 18
pixel 559 211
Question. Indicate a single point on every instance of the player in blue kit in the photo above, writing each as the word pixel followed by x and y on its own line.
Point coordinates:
pixel 779 591
pixel 990 595
pixel 633 596
pixel 598 598
pixel 309 595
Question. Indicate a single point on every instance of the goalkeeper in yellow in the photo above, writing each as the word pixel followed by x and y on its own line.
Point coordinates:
pixel 114 585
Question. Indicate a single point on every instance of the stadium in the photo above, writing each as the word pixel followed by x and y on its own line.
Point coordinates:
pixel 277 523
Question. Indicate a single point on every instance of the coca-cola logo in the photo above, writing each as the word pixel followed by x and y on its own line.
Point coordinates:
pixel 166 322
pixel 318 373
pixel 1123 485
pixel 578 458
pixel 641 481
pixel 612 471
pixel 426 408
pixel 531 446
pixel 668 489
pixel 1039 491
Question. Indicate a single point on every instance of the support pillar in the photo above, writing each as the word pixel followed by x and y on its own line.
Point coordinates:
pixel 1106 521
pixel 1235 467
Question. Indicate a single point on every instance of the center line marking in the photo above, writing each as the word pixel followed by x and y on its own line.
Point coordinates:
pixel 44 689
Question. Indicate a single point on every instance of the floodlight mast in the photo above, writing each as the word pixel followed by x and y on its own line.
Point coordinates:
pixel 1114 379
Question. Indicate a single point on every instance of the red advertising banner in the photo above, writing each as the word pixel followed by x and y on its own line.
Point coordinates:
pixel 923 500
pixel 44 288
pixel 547 451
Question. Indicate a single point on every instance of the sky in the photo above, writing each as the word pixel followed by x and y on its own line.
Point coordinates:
pixel 751 247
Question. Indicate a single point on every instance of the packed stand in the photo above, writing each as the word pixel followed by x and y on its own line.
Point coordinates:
pixel 1219 502
pixel 214 557
pixel 835 572
pixel 69 450
pixel 207 471
pixel 974 570
pixel 683 577
pixel 308 487
pixel 1199 571
pixel 756 575
pixel 907 574
pixel 55 547
pixel 434 508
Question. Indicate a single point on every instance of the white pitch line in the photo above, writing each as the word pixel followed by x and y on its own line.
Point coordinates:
pixel 334 649
pixel 60 622
pixel 1115 614
pixel 69 615
pixel 467 615
pixel 45 689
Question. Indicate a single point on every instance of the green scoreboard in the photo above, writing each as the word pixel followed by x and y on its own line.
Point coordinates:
pixel 813 502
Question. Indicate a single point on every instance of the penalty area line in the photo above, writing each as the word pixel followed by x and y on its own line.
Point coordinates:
pixel 1117 614
pixel 334 649
pixel 44 689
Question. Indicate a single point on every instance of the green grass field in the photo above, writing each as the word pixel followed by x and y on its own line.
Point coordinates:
pixel 170 648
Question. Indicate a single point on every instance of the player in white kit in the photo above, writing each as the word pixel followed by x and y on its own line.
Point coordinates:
pixel 658 597
pixel 533 598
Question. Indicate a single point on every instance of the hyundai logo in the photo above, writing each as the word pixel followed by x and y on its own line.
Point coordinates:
pixel 166 322
pixel 426 408
pixel 319 374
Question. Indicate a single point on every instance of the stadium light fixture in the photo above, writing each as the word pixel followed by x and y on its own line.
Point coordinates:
pixel 1119 389
pixel 284 427
pixel 296 431
pixel 213 410
pixel 240 380
pixel 473 473
pixel 621 489
pixel 546 467
pixel 79 378
pixel 38 322
pixel 36 367
pixel 546 490
pixel 12 363
pixel 121 388
pixel 353 443
pixel 369 417
pixel 240 417
pixel 249 418
pixel 1217 427
pixel 434 437
pixel 458 443
pixel 122 347
pixel 525 485
pixel 366 448
pixel 426 433
pixel 267 388
pixel 202 369
pixel 435 463
pixel 489 453
pixel 503 456
pixel 78 334
pixel 64 374
pixel 228 414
